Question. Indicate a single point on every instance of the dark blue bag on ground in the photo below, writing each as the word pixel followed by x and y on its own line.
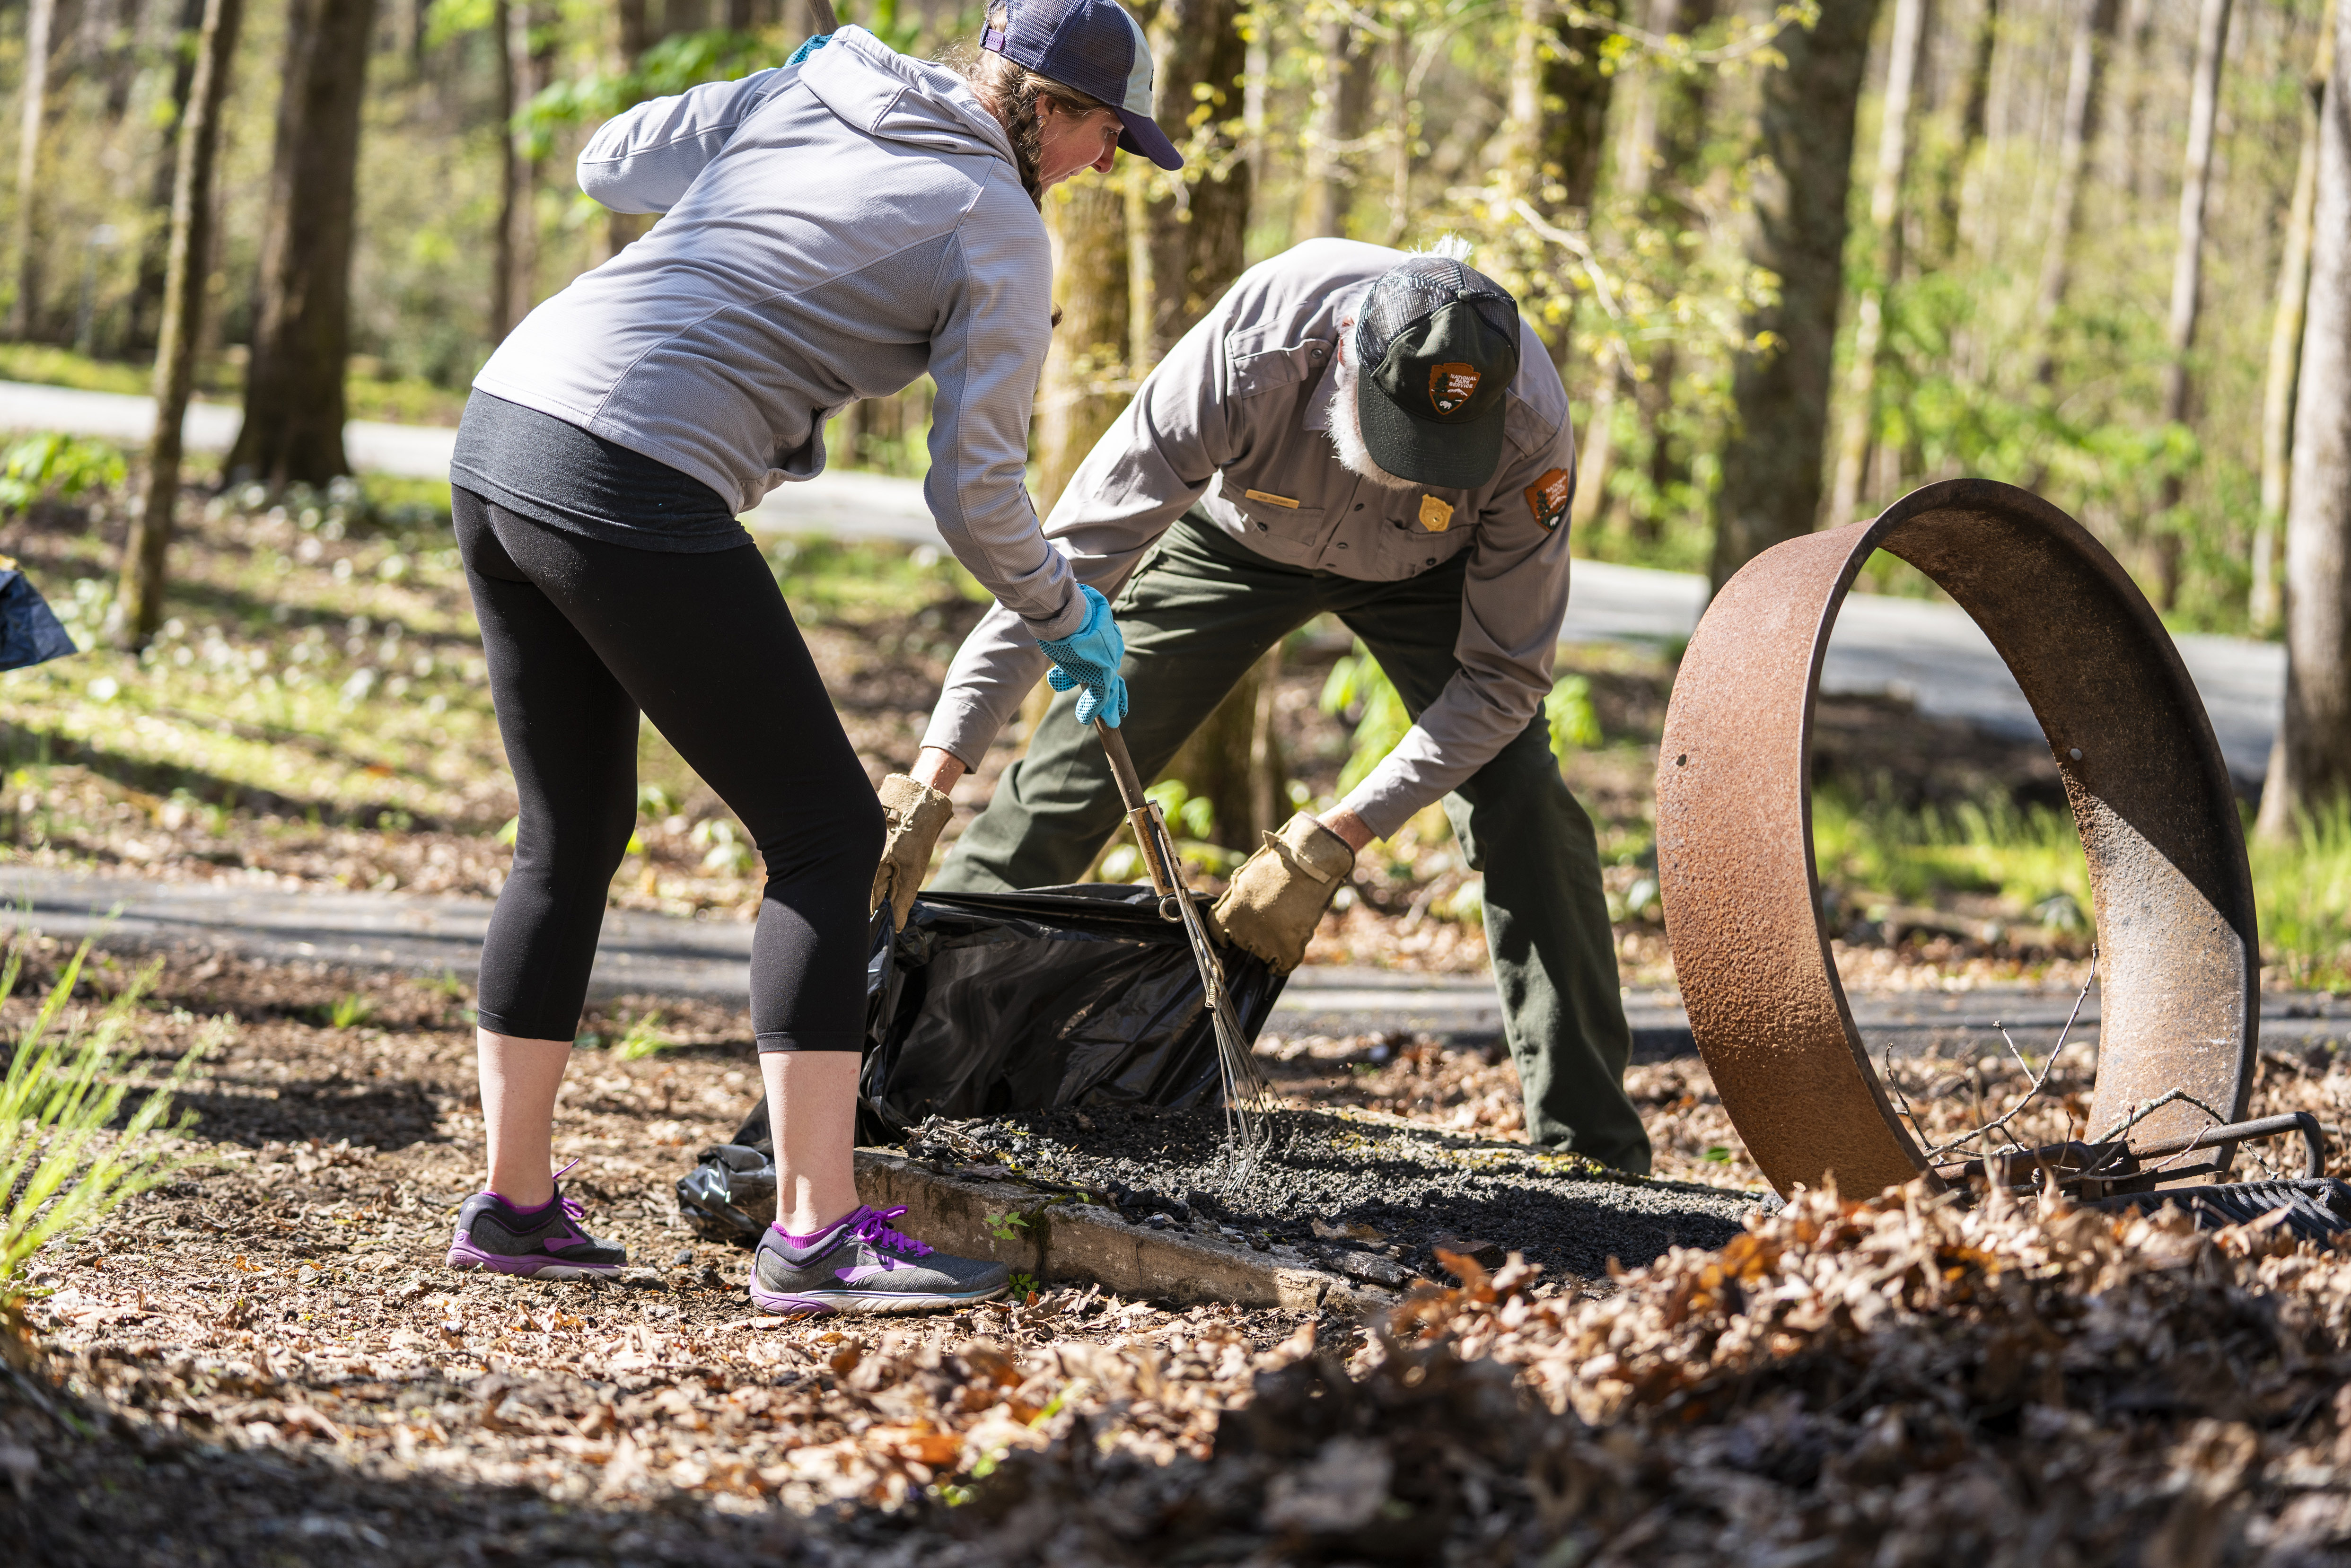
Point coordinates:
pixel 30 632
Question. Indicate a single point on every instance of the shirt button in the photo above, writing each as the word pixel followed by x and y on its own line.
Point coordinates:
pixel 1343 544
pixel 1260 527
pixel 1432 560
pixel 1359 505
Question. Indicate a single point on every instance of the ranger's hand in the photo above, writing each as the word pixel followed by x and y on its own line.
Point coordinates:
pixel 1278 896
pixel 1090 657
pixel 915 813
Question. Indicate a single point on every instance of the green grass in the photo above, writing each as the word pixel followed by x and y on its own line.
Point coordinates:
pixel 65 1163
pixel 2304 891
pixel 401 402
pixel 2029 861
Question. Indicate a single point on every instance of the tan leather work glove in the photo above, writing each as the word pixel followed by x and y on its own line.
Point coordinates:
pixel 1278 896
pixel 915 813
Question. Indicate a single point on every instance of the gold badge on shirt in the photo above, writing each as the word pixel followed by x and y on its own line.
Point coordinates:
pixel 1435 516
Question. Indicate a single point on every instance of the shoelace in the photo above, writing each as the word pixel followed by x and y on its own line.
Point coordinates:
pixel 870 1229
pixel 571 1208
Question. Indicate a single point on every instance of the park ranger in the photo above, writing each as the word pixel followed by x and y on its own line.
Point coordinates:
pixel 1369 433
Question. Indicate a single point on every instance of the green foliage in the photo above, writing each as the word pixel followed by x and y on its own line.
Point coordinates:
pixel 2303 890
pixel 66 466
pixel 2025 856
pixel 643 1038
pixel 1006 1225
pixel 1574 725
pixel 65 1163
pixel 1357 687
pixel 1025 1288
pixel 349 1011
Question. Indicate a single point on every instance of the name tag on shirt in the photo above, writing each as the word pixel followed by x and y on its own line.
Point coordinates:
pixel 1270 498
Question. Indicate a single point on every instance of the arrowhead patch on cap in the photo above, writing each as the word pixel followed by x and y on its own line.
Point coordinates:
pixel 1451 385
pixel 1548 497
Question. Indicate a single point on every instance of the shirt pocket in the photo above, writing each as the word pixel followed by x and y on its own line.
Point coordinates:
pixel 1404 548
pixel 1280 517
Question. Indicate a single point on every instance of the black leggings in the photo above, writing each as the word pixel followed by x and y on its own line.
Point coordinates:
pixel 582 635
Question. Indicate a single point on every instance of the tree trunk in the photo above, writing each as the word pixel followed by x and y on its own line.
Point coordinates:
pixel 1908 45
pixel 138 601
pixel 1975 104
pixel 1185 248
pixel 293 430
pixel 147 291
pixel 1234 760
pixel 514 291
pixel 2285 344
pixel 1343 93
pixel 1770 487
pixel 2310 768
pixel 1575 99
pixel 2188 271
pixel 1666 129
pixel 630 41
pixel 2091 41
pixel 1087 220
pixel 40 17
pixel 502 247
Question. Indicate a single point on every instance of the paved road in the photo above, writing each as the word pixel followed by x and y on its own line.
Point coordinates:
pixel 656 954
pixel 1932 654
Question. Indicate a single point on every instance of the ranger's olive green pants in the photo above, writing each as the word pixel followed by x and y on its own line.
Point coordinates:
pixel 1197 614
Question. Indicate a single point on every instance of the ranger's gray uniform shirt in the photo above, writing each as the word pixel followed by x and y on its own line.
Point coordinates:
pixel 1237 419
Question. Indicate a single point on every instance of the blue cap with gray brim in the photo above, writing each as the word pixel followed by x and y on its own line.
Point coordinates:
pixel 1096 48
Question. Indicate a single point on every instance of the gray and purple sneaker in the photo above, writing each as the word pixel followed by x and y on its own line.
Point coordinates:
pixel 861 1265
pixel 543 1243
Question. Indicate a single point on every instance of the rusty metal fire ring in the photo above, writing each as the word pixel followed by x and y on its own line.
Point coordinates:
pixel 2179 958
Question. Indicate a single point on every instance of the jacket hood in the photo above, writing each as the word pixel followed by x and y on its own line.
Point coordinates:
pixel 893 99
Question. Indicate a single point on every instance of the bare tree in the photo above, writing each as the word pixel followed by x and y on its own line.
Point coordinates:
pixel 2092 36
pixel 2310 768
pixel 293 429
pixel 1087 379
pixel 1185 243
pixel 2188 269
pixel 147 289
pixel 41 15
pixel 526 60
pixel 1770 487
pixel 630 41
pixel 1343 93
pixel 2265 606
pixel 1663 131
pixel 1894 143
pixel 1975 103
pixel 139 601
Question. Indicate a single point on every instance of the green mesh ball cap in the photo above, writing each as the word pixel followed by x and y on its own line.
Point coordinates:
pixel 1439 344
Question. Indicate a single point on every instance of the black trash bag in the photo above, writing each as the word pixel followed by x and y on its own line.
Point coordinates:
pixel 29 631
pixel 993 1003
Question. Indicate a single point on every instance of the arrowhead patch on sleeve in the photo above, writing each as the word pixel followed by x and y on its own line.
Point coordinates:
pixel 1548 497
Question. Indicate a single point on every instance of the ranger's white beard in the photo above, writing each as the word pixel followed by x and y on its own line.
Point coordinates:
pixel 1347 427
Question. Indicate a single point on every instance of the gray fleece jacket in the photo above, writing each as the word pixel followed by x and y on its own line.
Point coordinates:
pixel 830 231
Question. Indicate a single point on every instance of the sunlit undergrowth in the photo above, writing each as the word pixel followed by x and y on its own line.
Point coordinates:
pixel 2027 862
pixel 68 1155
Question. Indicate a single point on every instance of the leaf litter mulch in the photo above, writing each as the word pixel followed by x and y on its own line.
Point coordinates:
pixel 264 1363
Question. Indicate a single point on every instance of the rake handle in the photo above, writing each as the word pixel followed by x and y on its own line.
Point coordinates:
pixel 1150 832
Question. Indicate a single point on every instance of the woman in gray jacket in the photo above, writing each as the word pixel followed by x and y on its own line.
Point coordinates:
pixel 833 229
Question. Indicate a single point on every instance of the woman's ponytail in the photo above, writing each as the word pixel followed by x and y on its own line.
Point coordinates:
pixel 1012 90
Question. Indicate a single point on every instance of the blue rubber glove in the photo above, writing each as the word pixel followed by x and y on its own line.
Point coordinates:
pixel 1090 657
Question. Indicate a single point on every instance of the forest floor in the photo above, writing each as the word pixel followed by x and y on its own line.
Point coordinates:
pixel 316 714
pixel 264 1361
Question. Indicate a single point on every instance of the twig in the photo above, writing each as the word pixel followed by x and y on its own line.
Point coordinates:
pixel 2048 1065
